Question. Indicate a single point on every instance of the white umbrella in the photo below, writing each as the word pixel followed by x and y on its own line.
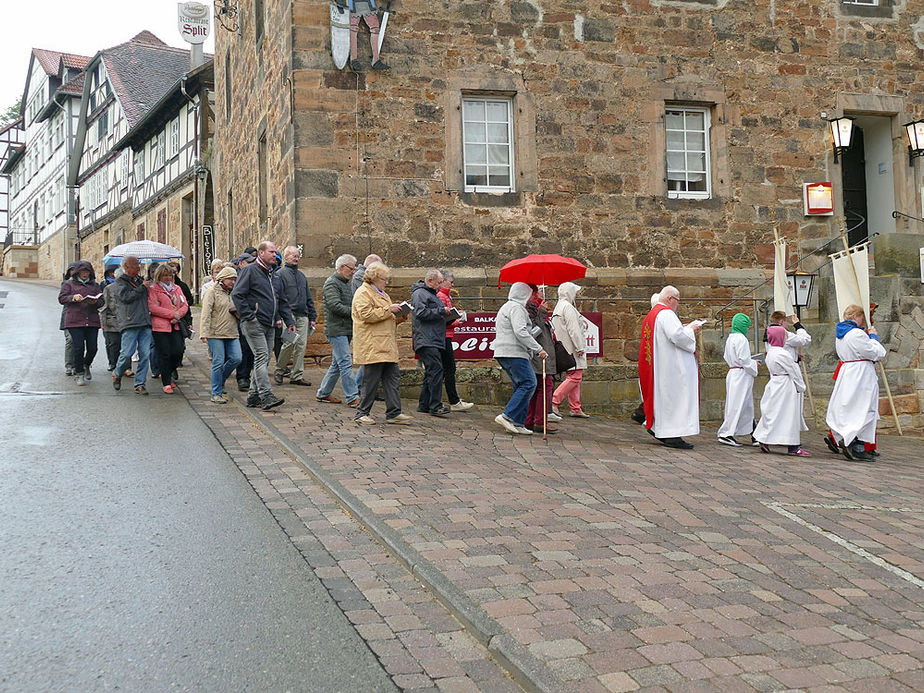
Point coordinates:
pixel 144 250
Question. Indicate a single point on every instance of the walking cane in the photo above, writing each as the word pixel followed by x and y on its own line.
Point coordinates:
pixel 545 411
pixel 808 391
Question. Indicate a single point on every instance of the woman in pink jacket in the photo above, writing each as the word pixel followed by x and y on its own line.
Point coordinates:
pixel 167 305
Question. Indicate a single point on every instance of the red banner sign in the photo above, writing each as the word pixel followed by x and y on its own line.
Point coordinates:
pixel 474 338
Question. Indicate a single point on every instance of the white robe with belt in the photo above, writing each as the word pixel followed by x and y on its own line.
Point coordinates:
pixel 739 387
pixel 853 409
pixel 781 404
pixel 676 378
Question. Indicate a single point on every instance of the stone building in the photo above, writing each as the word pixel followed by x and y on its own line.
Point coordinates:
pixel 656 141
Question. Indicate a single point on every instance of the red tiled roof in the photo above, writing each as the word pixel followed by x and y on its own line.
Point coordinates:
pixel 51 60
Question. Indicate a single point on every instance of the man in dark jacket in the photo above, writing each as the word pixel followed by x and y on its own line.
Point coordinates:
pixel 245 368
pixel 131 294
pixel 298 296
pixel 257 295
pixel 338 328
pixel 429 329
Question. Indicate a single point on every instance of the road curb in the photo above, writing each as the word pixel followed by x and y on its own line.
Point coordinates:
pixel 525 668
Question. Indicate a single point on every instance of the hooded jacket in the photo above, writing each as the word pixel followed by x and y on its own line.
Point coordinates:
pixel 132 302
pixel 83 313
pixel 842 328
pixel 512 325
pixel 429 327
pixel 108 314
pixel 569 325
pixel 540 318
pixel 67 275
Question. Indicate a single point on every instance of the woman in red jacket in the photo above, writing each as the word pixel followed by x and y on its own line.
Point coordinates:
pixel 167 305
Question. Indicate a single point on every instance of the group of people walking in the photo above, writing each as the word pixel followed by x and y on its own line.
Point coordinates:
pixel 668 375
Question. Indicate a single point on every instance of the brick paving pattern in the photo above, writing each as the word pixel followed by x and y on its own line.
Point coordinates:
pixel 619 564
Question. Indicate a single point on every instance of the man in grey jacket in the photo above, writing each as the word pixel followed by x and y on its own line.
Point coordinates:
pixel 294 286
pixel 131 293
pixel 514 345
pixel 338 328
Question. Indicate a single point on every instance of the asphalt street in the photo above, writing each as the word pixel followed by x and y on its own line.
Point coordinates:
pixel 133 554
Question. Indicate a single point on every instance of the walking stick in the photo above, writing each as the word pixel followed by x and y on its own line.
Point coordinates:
pixel 545 411
pixel 853 270
pixel 808 391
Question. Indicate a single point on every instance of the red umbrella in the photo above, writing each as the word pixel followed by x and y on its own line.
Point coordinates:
pixel 542 269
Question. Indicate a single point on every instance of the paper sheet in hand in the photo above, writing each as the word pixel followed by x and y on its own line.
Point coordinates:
pixel 405 309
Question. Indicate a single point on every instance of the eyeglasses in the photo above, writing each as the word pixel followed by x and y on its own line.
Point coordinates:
pixel 352 268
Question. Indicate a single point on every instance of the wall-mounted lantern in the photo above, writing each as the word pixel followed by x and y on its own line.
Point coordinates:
pixel 842 129
pixel 915 132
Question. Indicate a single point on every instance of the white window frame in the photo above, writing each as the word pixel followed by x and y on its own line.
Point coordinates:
pixel 861 3
pixel 174 139
pixel 160 147
pixel 707 124
pixel 466 142
pixel 139 166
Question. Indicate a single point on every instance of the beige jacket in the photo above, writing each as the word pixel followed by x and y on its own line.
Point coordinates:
pixel 375 333
pixel 216 320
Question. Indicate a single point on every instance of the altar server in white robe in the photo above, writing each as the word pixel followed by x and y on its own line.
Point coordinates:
pixel 853 409
pixel 669 373
pixel 781 404
pixel 795 340
pixel 739 383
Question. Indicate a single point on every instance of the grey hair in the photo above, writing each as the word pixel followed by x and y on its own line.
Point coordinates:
pixel 290 250
pixel 447 274
pixel 370 258
pixel 432 274
pixel 668 292
pixel 126 259
pixel 216 264
pixel 344 259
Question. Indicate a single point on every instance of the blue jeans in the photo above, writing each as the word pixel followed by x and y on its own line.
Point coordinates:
pixel 341 366
pixel 135 338
pixel 226 355
pixel 524 384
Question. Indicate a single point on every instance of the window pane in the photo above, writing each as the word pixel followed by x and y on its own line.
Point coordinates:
pixel 476 175
pixel 497 111
pixel 696 163
pixel 694 120
pixel 697 185
pixel 475 154
pixel 675 161
pixel 473 110
pixel 674 120
pixel 497 133
pixel 499 176
pixel 474 132
pixel 498 154
pixel 696 141
pixel 675 140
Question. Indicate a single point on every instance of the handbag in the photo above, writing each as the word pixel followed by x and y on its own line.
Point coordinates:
pixel 185 329
pixel 564 361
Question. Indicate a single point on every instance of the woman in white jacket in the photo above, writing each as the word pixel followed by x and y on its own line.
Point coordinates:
pixel 569 330
pixel 781 404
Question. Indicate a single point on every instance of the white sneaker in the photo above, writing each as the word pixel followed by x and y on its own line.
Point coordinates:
pixel 523 431
pixel 365 420
pixel 400 419
pixel 506 423
pixel 461 405
pixel 80 379
pixel 554 417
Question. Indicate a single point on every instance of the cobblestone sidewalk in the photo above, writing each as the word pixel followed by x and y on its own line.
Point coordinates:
pixel 607 562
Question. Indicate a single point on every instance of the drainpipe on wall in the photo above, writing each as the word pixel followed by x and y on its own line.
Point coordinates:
pixel 196 164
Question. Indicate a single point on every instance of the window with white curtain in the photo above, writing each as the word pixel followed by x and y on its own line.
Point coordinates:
pixel 687 150
pixel 487 141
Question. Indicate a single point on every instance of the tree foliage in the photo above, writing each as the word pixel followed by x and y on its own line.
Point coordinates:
pixel 10 113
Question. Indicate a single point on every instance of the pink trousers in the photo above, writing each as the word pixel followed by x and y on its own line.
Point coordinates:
pixel 570 388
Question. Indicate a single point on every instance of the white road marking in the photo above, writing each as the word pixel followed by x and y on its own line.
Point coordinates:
pixel 840 541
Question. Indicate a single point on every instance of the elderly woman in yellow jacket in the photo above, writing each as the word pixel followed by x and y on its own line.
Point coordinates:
pixel 218 329
pixel 375 345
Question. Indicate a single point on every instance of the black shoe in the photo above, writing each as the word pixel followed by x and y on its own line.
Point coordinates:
pixel 271 401
pixel 116 383
pixel 651 433
pixel 676 443
pixel 380 65
pixel 299 382
pixel 832 446
pixel 441 411
pixel 69 370
pixel 638 416
pixel 356 66
pixel 141 390
pixel 174 376
pixel 277 378
pixel 379 398
pixel 253 400
pixel 856 453
pixel 243 385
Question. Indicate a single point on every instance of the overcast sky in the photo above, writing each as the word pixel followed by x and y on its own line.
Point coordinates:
pixel 78 26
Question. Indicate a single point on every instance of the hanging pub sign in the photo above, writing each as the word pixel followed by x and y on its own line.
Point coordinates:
pixel 474 339
pixel 818 199
pixel 193 21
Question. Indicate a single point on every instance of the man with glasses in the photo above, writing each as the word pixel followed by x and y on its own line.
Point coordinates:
pixel 669 374
pixel 338 328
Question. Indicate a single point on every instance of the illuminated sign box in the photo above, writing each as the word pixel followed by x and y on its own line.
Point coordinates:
pixel 818 199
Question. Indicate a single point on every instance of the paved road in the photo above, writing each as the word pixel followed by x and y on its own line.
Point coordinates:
pixel 133 555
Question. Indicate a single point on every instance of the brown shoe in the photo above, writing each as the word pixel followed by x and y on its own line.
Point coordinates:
pixel 353 402
pixel 330 398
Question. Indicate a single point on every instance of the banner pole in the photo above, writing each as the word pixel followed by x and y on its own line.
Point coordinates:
pixel 882 372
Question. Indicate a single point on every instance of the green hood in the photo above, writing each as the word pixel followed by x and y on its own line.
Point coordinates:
pixel 741 323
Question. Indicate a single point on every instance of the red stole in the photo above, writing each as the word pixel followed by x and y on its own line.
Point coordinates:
pixel 646 363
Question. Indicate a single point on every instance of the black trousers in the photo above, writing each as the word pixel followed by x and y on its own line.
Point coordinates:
pixel 432 387
pixel 83 346
pixel 113 347
pixel 389 375
pixel 449 372
pixel 246 365
pixel 169 347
